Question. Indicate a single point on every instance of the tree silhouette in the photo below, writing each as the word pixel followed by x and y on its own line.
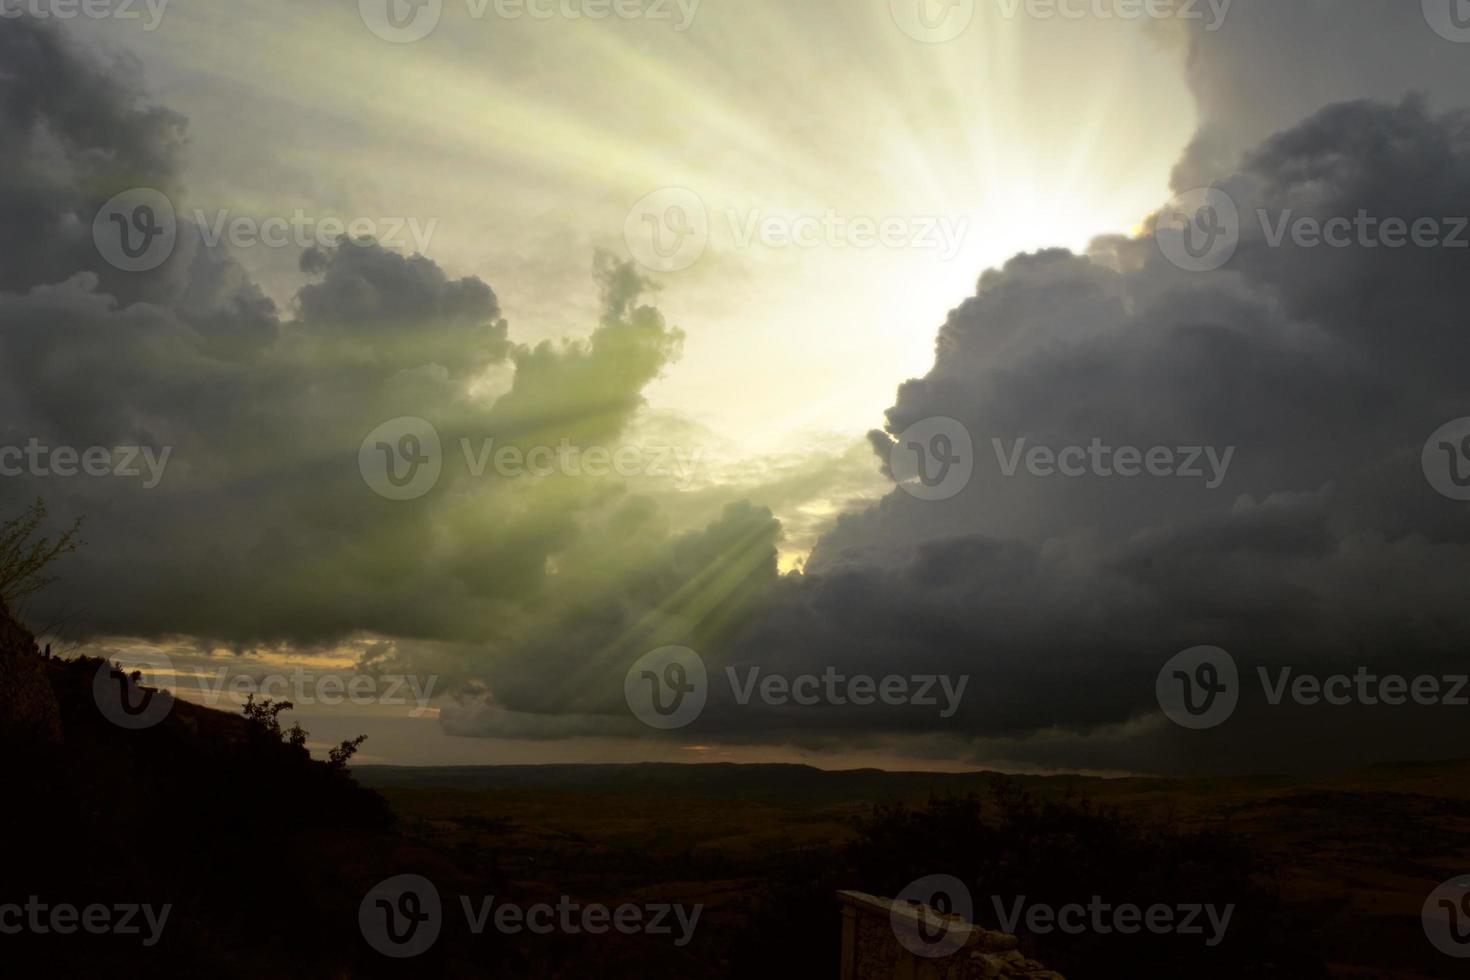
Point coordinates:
pixel 25 554
pixel 265 716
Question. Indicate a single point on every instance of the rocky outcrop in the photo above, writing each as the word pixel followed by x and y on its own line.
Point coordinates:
pixel 28 708
pixel 879 943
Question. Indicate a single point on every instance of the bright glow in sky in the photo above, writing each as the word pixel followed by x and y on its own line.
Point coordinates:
pixel 519 148
pixel 525 142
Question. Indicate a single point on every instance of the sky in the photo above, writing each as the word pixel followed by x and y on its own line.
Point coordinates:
pixel 751 254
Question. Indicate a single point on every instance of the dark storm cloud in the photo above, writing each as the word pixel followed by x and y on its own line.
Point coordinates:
pixel 1325 369
pixel 1271 64
pixel 72 133
pixel 263 530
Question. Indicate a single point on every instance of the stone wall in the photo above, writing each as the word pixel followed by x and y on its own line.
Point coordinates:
pixel 873 948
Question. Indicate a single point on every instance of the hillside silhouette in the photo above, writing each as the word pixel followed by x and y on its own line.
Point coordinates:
pixel 264 855
pixel 257 847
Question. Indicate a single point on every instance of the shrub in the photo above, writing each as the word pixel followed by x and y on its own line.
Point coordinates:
pixel 25 554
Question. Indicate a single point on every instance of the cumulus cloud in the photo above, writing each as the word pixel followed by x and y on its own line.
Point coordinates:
pixel 1317 373
pixel 263 531
pixel 1322 371
pixel 1271 65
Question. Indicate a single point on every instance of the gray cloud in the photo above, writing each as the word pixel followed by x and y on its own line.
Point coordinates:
pixel 263 531
pixel 1271 65
pixel 1325 369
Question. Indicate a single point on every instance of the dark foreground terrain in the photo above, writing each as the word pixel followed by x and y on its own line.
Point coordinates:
pixel 1351 858
pixel 265 856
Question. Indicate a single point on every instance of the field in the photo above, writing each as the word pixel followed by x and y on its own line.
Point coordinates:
pixel 1354 855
